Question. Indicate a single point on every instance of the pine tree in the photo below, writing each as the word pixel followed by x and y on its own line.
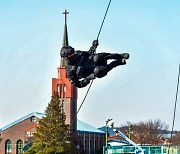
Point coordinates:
pixel 51 131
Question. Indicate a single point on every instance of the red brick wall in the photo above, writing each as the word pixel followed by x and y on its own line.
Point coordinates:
pixel 71 91
pixel 14 133
pixel 67 94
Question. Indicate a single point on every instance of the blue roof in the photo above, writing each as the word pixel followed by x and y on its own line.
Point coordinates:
pixel 36 114
pixel 81 126
pixel 110 130
pixel 84 127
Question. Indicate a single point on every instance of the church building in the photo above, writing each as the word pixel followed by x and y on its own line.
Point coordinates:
pixel 17 136
pixel 85 140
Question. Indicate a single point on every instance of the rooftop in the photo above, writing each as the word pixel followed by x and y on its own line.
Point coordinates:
pixel 36 114
pixel 84 127
pixel 81 126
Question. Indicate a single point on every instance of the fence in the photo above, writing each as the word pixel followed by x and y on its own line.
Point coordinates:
pixel 147 150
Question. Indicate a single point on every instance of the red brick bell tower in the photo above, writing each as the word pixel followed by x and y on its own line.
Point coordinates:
pixel 67 92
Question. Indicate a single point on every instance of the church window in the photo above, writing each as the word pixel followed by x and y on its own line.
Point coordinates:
pixel 29 134
pixel 19 147
pixel 8 147
pixel 91 146
pixel 58 88
pixel 62 107
pixel 64 90
pixel 86 146
pixel 60 92
pixel 96 145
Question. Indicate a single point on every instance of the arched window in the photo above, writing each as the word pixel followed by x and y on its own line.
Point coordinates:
pixel 64 90
pixel 19 147
pixel 8 147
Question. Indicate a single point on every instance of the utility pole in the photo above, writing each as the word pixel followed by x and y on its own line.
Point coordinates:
pixel 129 131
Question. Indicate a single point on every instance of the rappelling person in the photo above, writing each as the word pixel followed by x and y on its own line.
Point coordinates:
pixel 83 66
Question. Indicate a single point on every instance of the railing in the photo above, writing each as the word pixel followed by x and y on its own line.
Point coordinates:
pixel 147 149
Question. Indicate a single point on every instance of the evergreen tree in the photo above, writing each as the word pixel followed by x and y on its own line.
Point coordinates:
pixel 51 131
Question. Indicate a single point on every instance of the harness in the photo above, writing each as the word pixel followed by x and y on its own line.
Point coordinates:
pixel 82 65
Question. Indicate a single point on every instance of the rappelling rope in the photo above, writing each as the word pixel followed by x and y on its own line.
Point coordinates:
pixel 174 115
pixel 103 19
pixel 91 81
pixel 77 113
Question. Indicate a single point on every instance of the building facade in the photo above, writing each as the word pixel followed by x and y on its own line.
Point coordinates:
pixel 89 139
pixel 17 135
pixel 14 136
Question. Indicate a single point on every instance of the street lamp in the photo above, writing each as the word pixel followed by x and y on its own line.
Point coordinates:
pixel 109 124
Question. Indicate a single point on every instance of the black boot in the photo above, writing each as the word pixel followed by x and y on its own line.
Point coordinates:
pixel 121 61
pixel 125 55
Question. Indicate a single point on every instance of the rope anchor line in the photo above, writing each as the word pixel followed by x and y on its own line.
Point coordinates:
pixel 174 114
pixel 90 83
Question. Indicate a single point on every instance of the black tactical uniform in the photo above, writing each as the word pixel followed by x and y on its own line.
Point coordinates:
pixel 83 66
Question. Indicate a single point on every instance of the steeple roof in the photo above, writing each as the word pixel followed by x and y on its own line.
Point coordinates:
pixel 65 38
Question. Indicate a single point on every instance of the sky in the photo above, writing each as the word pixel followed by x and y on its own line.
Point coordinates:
pixel 31 34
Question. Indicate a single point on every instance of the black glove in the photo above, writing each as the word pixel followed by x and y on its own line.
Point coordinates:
pixel 85 82
pixel 92 49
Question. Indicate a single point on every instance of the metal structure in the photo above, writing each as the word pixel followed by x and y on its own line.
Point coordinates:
pixel 110 124
pixel 138 149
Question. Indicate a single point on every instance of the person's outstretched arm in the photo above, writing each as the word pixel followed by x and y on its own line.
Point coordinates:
pixel 92 49
pixel 79 84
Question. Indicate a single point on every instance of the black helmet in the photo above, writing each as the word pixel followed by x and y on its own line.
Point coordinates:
pixel 66 51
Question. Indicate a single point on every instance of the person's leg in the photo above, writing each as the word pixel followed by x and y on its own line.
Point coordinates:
pixel 103 57
pixel 100 59
pixel 101 71
pixel 117 56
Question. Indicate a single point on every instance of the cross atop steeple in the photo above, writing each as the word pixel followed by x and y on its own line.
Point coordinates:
pixel 65 14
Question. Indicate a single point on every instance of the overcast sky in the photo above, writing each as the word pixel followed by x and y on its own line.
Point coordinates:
pixel 31 33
